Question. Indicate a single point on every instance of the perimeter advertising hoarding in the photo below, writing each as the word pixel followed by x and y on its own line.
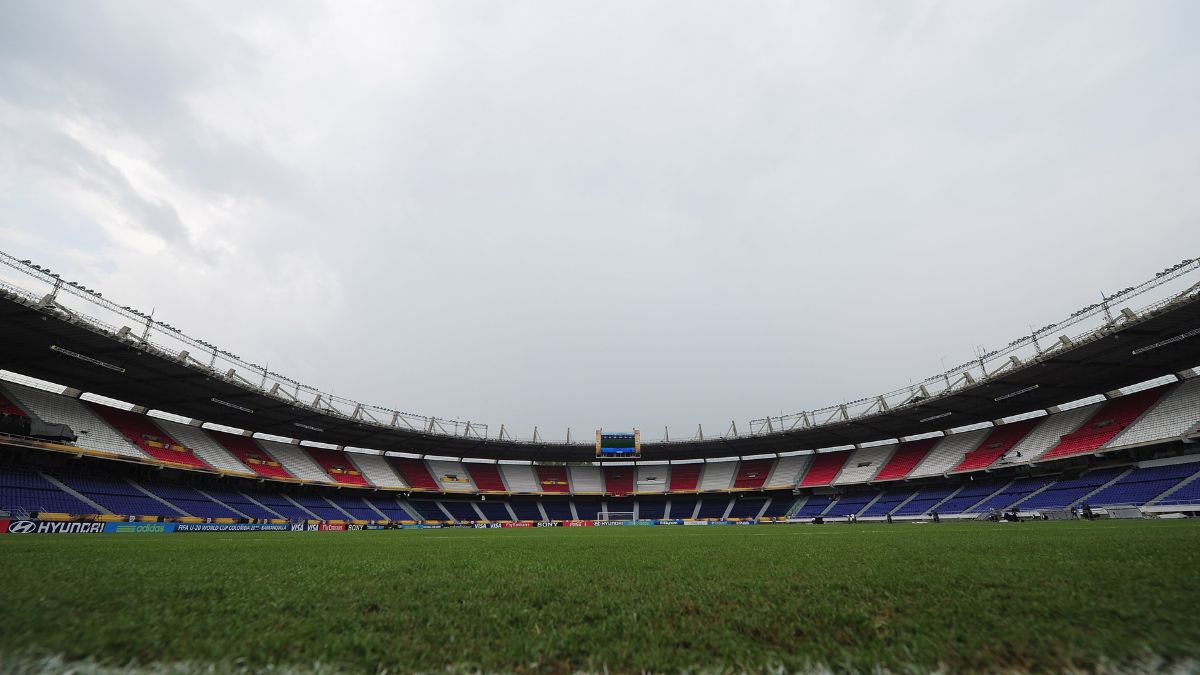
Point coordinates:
pixel 232 527
pixel 26 526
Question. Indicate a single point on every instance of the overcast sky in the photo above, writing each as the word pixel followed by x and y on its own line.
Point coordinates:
pixel 618 214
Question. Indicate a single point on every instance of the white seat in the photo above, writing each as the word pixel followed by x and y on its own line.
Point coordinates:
pixel 788 470
pixel 376 470
pixel 864 463
pixel 652 478
pixel 1171 417
pixel 520 478
pixel 949 452
pixel 1047 434
pixel 296 460
pixel 205 447
pixel 586 479
pixel 450 476
pixel 718 475
pixel 93 432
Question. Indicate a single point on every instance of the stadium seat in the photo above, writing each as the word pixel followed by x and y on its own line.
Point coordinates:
pixel 924 501
pixel 486 477
pixel 117 495
pixel 390 507
pixel 652 478
pixel 188 500
pixel 681 507
pixel 652 508
pixel 94 433
pixel 296 460
pixel 850 504
pixel 377 471
pixel 415 473
pixel 241 504
pixel 586 480
pixel 1173 416
pixel 779 507
pixel 717 476
pixel 201 443
pixel 1046 435
pixel 1001 440
pixel 887 503
pixel 752 474
pixel 970 495
pixel 520 478
pixel 948 452
pixel 495 511
pixel 713 507
pixel 1011 494
pixel 685 478
pixel 463 512
pixel 788 470
pixel 618 480
pixel 552 479
pixel 1111 419
pixel 587 509
pixel 451 476
pixel 24 491
pixel 1142 485
pixel 251 455
pixel 557 509
pixel 907 456
pixel 863 463
pixel 428 509
pixel 1064 493
pixel 747 508
pixel 825 467
pixel 140 431
pixel 339 467
pixel 813 506
pixel 525 508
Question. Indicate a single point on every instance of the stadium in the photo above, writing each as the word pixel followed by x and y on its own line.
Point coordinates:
pixel 625 319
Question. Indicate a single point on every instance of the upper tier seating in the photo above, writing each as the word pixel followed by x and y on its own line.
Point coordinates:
pixel 863 464
pixel 924 501
pixel 487 477
pixel 713 507
pixel 907 456
pixel 618 480
pixel 461 511
pixel 189 500
pixel 296 461
pixel 1064 493
pixel 142 433
pixel 203 445
pixel 495 511
pixel 1111 419
pixel 652 478
pixel 685 478
pixel 451 476
pixel 251 454
pixel 552 479
pixel 414 473
pixel 377 471
pixel 94 433
pixel 813 506
pixel 356 506
pixel 586 480
pixel 1046 434
pixel 825 468
pixel 338 466
pixel 1172 417
pixel 1142 485
pixel 746 508
pixel 970 495
pixel 390 507
pixel 998 442
pixel 7 407
pixel 1013 493
pixel 115 494
pixel 849 504
pixel 788 470
pixel 717 475
pixel 680 507
pixel 520 478
pixel 948 452
pixel 25 491
pixel 752 474
pixel 888 503
pixel 241 504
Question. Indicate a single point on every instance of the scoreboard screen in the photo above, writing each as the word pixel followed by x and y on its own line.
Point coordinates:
pixel 625 445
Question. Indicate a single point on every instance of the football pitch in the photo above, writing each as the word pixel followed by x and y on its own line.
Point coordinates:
pixel 1046 596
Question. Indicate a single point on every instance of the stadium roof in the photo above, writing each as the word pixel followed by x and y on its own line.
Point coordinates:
pixel 44 338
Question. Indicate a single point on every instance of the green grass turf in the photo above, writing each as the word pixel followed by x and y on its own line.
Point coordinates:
pixel 979 597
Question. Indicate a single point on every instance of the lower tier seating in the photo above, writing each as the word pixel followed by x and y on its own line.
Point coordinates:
pixel 1064 493
pixel 23 491
pixel 1011 494
pixel 1144 484
pixel 924 501
pixel 887 503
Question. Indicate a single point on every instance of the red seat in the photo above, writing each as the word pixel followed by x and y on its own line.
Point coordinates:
pixel 752 474
pixel 825 468
pixel 906 458
pixel 685 477
pixel 143 433
pixel 7 407
pixel 1111 419
pixel 553 479
pixel 1001 440
pixel 486 476
pixel 251 454
pixel 415 473
pixel 338 466
pixel 618 480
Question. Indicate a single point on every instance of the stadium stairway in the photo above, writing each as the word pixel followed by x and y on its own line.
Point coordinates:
pixel 204 446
